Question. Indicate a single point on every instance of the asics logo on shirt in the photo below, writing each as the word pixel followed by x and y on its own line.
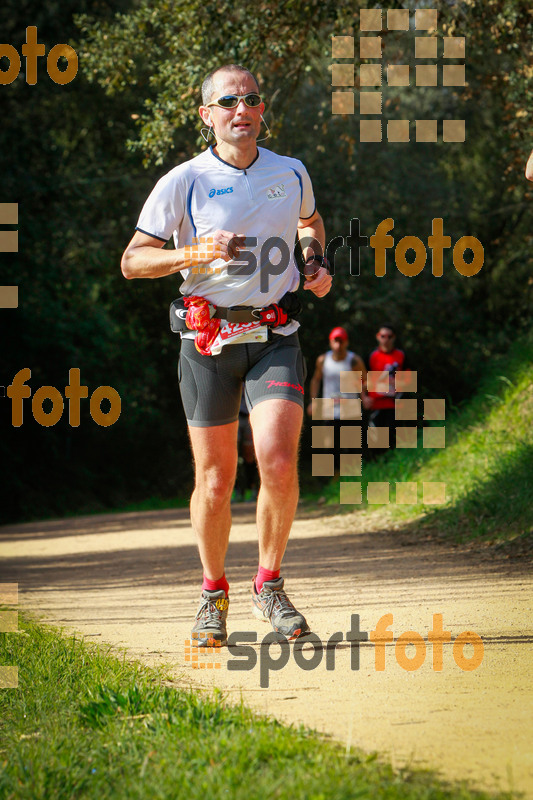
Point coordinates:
pixel 227 190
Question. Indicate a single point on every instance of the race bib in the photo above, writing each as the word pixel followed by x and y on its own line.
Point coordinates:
pixel 239 333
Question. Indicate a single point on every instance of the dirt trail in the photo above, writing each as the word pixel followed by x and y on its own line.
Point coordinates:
pixel 114 578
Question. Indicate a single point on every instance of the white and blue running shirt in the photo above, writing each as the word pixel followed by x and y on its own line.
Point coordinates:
pixel 264 200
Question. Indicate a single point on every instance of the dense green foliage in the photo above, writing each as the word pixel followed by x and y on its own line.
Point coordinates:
pixel 84 724
pixel 65 159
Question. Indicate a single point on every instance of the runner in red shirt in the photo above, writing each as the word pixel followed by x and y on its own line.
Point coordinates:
pixel 386 358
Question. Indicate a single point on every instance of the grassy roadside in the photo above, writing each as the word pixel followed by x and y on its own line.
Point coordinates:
pixel 85 724
pixel 486 464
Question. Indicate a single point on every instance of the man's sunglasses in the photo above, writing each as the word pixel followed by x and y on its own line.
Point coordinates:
pixel 252 100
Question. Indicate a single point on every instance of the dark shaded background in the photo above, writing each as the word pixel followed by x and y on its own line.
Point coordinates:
pixel 65 160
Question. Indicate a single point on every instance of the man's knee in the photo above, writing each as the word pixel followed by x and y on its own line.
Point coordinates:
pixel 278 467
pixel 216 483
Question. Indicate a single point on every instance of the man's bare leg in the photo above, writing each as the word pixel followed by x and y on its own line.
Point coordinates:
pixel 215 457
pixel 276 426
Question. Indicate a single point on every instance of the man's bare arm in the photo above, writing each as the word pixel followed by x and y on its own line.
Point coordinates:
pixel 145 258
pixel 312 236
pixel 529 167
pixel 358 365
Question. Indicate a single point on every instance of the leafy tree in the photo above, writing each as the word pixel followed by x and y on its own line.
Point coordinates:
pixel 80 159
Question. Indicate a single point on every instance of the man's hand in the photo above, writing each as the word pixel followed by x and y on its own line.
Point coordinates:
pixel 145 258
pixel 226 245
pixel 320 285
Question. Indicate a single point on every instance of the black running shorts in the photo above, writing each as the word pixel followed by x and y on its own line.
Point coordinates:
pixel 211 386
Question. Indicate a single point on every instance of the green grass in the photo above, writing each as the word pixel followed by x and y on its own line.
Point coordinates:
pixel 153 504
pixel 85 724
pixel 486 464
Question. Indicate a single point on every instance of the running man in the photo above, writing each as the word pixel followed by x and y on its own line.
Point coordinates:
pixel 226 202
pixel 328 370
pixel 385 358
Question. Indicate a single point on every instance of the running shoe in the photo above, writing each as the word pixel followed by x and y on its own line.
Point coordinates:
pixel 210 626
pixel 272 605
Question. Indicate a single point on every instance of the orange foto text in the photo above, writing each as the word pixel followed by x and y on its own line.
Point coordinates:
pixel 31 51
pixel 18 391
pixel 437 636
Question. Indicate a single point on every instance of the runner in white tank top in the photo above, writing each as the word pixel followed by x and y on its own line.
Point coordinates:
pixel 331 378
pixel 328 370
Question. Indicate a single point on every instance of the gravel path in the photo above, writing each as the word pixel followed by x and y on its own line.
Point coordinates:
pixel 132 580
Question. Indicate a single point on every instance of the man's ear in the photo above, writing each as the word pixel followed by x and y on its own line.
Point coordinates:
pixel 205 115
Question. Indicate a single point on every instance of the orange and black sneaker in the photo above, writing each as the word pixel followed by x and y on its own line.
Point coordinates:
pixel 210 626
pixel 272 605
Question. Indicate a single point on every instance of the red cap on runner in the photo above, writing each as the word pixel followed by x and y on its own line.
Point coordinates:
pixel 339 333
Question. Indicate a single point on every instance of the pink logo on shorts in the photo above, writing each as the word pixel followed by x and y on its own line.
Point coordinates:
pixel 298 388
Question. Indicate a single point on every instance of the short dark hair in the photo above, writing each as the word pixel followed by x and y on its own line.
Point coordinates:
pixel 207 85
pixel 389 328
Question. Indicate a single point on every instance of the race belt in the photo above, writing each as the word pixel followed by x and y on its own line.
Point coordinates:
pixel 274 315
pixel 270 315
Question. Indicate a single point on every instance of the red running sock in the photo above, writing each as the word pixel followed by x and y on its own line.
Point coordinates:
pixel 214 586
pixel 265 575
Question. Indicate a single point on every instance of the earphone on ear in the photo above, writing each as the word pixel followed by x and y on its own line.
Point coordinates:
pixel 268 134
pixel 205 133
